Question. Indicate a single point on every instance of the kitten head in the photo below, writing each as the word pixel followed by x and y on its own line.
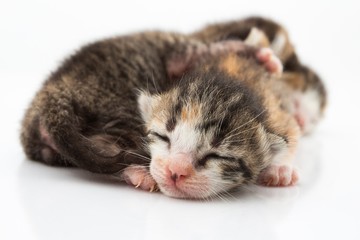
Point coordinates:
pixel 207 135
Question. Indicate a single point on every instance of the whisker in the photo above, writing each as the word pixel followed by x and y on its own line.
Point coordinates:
pixel 137 155
pixel 251 120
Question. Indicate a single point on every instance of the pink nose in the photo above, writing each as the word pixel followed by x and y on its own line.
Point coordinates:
pixel 180 167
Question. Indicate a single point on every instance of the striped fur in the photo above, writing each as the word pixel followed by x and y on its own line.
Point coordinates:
pixel 201 93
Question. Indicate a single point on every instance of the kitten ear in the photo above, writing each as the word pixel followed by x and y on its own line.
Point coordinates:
pixel 145 104
pixel 257 38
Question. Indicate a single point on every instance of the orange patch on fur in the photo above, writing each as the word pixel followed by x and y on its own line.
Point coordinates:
pixel 190 113
pixel 183 114
pixel 230 65
pixel 295 80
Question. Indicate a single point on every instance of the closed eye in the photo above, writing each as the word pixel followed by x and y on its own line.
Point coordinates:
pixel 160 137
pixel 210 156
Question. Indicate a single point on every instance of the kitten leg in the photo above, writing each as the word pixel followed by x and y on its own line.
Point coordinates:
pixel 37 142
pixel 139 176
pixel 281 172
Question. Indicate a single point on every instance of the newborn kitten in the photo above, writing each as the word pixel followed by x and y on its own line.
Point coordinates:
pixel 217 113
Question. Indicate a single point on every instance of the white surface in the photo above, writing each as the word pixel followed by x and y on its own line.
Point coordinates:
pixel 40 202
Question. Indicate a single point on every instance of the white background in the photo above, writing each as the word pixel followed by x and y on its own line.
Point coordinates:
pixel 40 202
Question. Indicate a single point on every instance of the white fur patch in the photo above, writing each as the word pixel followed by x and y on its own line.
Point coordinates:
pixel 309 109
pixel 311 102
pixel 278 44
pixel 255 37
pixel 184 138
pixel 145 104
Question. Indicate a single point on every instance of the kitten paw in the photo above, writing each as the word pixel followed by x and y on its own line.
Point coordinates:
pixel 139 176
pixel 271 62
pixel 278 175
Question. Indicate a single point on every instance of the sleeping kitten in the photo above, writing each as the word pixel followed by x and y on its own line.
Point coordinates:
pixel 218 111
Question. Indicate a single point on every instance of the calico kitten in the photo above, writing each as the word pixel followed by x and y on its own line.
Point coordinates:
pixel 308 94
pixel 218 113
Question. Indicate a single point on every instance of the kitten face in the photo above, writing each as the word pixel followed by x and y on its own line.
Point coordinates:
pixel 206 136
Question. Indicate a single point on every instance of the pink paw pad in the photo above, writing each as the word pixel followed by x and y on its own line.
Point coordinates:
pixel 268 58
pixel 278 175
pixel 49 150
pixel 139 176
pixel 46 138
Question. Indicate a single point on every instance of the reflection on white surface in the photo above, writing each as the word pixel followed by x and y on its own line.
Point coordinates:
pixel 41 202
pixel 71 202
pixel 79 203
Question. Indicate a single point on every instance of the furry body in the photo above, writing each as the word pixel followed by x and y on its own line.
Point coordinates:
pixel 86 113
